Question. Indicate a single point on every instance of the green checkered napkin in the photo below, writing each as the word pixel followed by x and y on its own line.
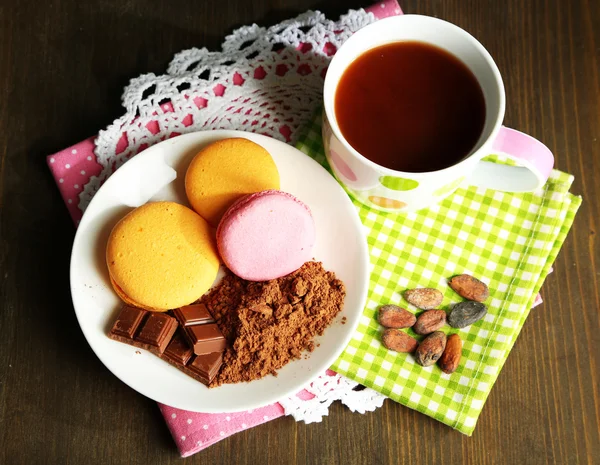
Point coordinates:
pixel 508 240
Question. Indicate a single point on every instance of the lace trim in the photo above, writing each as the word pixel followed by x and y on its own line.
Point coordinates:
pixel 326 389
pixel 265 80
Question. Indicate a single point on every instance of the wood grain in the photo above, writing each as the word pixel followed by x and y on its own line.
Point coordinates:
pixel 63 65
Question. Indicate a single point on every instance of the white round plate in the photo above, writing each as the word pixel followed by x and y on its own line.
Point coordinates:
pixel 158 174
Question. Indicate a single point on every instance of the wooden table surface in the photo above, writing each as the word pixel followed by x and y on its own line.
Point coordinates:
pixel 63 64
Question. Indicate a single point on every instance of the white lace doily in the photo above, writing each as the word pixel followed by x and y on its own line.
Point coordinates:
pixel 326 389
pixel 263 80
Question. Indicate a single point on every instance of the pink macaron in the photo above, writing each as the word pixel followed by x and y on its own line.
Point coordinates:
pixel 266 235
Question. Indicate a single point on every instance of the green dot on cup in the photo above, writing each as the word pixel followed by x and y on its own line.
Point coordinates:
pixel 449 187
pixel 398 184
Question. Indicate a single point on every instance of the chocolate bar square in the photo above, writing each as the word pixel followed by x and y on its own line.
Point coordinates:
pixel 205 367
pixel 190 315
pixel 156 332
pixel 205 339
pixel 127 324
pixel 178 352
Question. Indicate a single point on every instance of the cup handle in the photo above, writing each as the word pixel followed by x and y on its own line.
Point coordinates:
pixel 535 160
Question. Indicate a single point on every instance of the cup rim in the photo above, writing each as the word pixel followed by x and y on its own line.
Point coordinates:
pixel 403 18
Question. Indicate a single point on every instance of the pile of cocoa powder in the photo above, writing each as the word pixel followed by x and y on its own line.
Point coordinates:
pixel 268 324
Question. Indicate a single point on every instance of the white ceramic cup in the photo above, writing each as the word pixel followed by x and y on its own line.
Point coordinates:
pixel 392 190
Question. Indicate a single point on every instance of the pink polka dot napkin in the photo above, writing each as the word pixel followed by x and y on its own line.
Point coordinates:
pixel 193 431
pixel 72 169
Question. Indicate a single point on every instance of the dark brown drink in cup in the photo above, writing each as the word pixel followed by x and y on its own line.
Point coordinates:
pixel 410 106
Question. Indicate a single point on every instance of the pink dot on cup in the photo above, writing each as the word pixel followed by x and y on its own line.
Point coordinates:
pixel 342 167
pixel 89 158
pixel 205 427
pixel 61 180
pixel 82 172
pixel 222 433
pixel 52 160
pixel 183 438
pixel 173 415
pixel 189 421
pixel 67 166
pixel 76 186
pixel 244 425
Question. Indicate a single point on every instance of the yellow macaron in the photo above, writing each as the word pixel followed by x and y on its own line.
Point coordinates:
pixel 162 255
pixel 225 171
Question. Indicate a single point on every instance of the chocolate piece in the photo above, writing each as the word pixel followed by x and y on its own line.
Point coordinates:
pixel 205 367
pixel 200 331
pixel 156 332
pixel 178 352
pixel 205 339
pixel 190 315
pixel 127 323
